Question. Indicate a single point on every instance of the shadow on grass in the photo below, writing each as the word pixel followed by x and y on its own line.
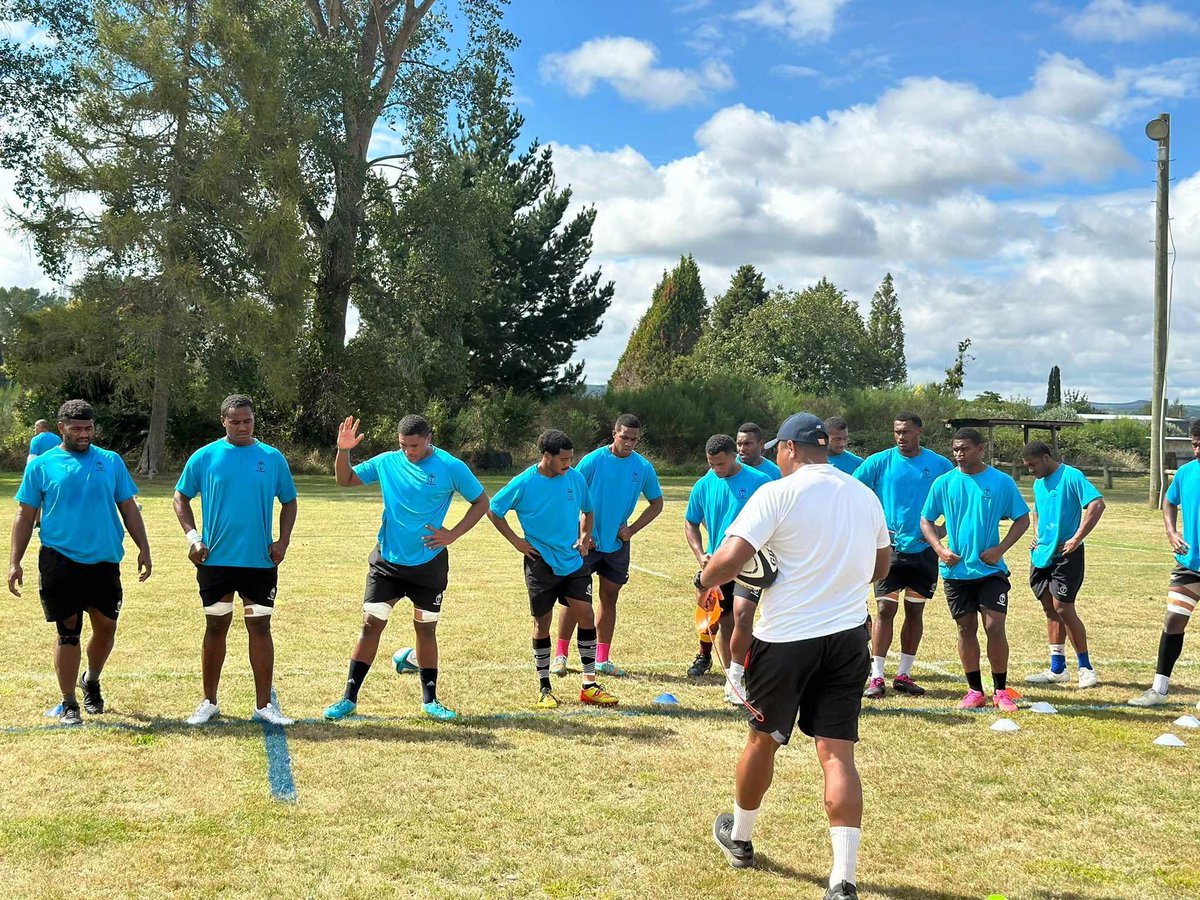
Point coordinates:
pixel 872 888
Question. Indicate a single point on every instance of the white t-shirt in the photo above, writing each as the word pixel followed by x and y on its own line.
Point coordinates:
pixel 824 527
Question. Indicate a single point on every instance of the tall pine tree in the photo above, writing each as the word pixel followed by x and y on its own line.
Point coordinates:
pixel 885 329
pixel 1054 387
pixel 669 329
pixel 747 291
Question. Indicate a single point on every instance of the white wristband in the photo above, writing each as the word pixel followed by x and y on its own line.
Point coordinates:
pixel 193 537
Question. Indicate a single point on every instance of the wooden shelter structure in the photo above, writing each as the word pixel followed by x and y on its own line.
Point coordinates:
pixel 1026 425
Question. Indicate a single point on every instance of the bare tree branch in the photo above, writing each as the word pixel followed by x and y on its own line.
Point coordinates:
pixel 314 13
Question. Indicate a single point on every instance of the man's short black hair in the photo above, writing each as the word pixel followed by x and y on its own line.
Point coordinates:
pixel 627 420
pixel 750 428
pixel 1194 431
pixel 554 442
pixel 968 434
pixel 718 444
pixel 235 401
pixel 76 409
pixel 912 418
pixel 414 426
pixel 836 423
pixel 1034 449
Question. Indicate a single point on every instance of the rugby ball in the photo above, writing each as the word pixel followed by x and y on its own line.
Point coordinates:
pixel 760 570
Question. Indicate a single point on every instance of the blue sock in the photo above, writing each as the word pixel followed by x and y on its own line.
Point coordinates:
pixel 1058 659
pixel 1084 662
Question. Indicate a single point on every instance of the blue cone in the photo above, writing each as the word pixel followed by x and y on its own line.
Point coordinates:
pixel 666 700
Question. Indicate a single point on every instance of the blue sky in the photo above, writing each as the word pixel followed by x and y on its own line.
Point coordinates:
pixel 990 155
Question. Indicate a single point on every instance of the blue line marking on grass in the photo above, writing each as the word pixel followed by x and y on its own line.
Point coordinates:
pixel 279 760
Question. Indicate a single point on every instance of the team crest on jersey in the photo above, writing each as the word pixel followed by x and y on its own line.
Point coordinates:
pixel 635 477
pixel 987 493
pixel 570 493
pixel 431 478
pixel 261 467
pixel 742 495
pixel 99 465
pixel 925 473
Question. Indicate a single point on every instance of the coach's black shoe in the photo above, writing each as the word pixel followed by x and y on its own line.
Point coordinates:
pixel 93 700
pixel 739 853
pixel 700 666
pixel 844 891
pixel 903 684
pixel 70 716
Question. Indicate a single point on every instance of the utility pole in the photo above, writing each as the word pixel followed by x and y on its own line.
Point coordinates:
pixel 1159 130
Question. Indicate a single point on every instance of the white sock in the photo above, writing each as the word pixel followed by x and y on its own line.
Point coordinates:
pixel 736 672
pixel 906 663
pixel 877 666
pixel 845 854
pixel 743 822
pixel 1162 683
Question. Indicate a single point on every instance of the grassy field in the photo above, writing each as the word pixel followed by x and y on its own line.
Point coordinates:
pixel 574 803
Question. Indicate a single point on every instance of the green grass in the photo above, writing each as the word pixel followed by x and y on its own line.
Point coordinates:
pixel 578 803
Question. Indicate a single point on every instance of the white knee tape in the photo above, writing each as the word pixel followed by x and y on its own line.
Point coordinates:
pixel 220 608
pixel 424 615
pixel 1180 603
pixel 254 611
pixel 910 597
pixel 381 611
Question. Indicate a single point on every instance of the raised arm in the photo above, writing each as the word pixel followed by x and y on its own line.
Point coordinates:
pixel 348 438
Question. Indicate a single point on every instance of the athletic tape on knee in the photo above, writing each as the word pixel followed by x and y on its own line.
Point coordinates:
pixel 382 611
pixel 256 611
pixel 220 608
pixel 69 636
pixel 910 597
pixel 1180 603
pixel 425 616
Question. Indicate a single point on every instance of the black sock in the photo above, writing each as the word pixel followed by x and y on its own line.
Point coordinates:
pixel 975 681
pixel 87 676
pixel 706 648
pixel 541 660
pixel 1169 648
pixel 358 674
pixel 428 685
pixel 999 679
pixel 586 642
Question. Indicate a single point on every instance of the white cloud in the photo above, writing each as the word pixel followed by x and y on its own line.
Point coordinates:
pixel 24 33
pixel 806 21
pixel 631 67
pixel 1122 21
pixel 789 71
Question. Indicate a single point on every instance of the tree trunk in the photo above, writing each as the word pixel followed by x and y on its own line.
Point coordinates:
pixel 154 450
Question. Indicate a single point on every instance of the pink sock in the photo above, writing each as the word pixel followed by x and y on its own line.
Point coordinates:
pixel 562 648
pixel 602 652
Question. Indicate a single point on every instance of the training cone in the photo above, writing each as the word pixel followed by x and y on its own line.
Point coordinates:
pixel 1005 725
pixel 1187 722
pixel 666 700
pixel 1169 740
pixel 1043 707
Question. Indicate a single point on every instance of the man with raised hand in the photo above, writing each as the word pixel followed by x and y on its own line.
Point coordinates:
pixel 616 475
pixel 1183 592
pixel 1068 507
pixel 417 482
pixel 714 502
pixel 554 507
pixel 84 494
pixel 750 447
pixel 238 479
pixel 839 438
pixel 974 498
pixel 809 655
pixel 901 478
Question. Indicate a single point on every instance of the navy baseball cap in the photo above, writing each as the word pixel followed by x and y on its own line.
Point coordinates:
pixel 801 428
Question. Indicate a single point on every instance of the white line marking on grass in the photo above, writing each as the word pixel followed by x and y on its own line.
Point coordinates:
pixel 649 572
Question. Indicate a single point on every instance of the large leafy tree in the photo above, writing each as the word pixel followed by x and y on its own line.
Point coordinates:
pixel 667 332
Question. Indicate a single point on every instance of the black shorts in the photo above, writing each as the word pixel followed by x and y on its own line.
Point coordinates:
pixel 546 588
pixel 915 572
pixel 1183 577
pixel 818 682
pixel 1062 578
pixel 67 587
pixel 424 585
pixel 971 595
pixel 253 585
pixel 613 566
pixel 732 589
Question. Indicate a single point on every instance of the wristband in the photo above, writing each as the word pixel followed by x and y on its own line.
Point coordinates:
pixel 193 537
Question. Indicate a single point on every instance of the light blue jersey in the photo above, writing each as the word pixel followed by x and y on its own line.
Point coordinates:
pixel 767 467
pixel 1184 493
pixel 237 487
pixel 614 485
pixel 974 506
pixel 902 485
pixel 845 461
pixel 78 494
pixel 715 502
pixel 47 440
pixel 1060 499
pixel 415 495
pixel 548 510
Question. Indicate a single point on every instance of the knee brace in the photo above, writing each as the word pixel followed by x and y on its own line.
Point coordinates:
pixel 424 616
pixel 220 608
pixel 69 636
pixel 1180 603
pixel 381 611
pixel 255 611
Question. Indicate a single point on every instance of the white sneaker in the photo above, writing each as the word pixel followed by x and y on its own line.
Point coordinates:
pixel 1087 678
pixel 732 698
pixel 1049 677
pixel 272 716
pixel 1150 698
pixel 559 666
pixel 204 712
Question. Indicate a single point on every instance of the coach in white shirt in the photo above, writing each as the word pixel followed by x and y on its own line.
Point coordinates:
pixel 809 658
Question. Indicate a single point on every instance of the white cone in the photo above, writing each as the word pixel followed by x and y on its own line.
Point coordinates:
pixel 1187 722
pixel 1043 707
pixel 1005 725
pixel 1169 740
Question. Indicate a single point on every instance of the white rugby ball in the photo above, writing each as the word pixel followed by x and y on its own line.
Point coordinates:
pixel 760 570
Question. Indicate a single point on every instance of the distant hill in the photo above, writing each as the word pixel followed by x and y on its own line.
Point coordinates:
pixel 1133 407
pixel 595 390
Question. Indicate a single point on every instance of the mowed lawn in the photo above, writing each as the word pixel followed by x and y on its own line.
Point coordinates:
pixel 509 802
